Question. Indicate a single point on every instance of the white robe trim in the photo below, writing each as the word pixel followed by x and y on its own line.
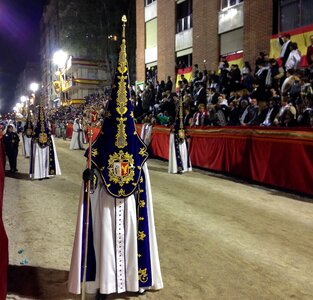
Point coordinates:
pixel 27 146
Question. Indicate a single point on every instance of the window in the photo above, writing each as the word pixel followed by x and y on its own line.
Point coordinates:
pixel 184 15
pixel 92 73
pixel 184 61
pixel 228 3
pixel 147 2
pixel 231 41
pixel 295 13
pixel 152 33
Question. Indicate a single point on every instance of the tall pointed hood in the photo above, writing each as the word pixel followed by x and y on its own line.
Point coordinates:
pixel 118 152
pixel 29 128
pixel 42 133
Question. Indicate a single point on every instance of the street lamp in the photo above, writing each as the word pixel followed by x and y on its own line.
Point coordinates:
pixel 34 87
pixel 24 103
pixel 59 59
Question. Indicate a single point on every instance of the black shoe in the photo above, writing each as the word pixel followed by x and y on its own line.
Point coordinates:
pixel 101 296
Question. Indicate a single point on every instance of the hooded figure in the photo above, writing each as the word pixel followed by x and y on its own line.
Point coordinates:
pixel 122 253
pixel 27 136
pixel 179 160
pixel 77 141
pixel 44 161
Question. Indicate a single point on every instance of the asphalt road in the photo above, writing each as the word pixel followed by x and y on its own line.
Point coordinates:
pixel 218 238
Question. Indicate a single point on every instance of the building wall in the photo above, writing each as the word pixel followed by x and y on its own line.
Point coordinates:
pixel 140 44
pixel 205 37
pixel 257 28
pixel 86 37
pixel 166 38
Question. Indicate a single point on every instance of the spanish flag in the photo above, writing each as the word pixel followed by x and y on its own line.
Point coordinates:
pixel 235 59
pixel 187 72
pixel 301 36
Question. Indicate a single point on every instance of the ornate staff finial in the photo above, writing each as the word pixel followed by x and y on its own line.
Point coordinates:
pixel 124 21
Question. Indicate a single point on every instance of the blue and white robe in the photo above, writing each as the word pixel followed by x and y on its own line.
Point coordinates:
pixel 114 249
pixel 179 159
pixel 41 161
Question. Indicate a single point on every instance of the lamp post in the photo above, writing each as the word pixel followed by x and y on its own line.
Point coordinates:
pixel 59 59
pixel 34 86
pixel 23 103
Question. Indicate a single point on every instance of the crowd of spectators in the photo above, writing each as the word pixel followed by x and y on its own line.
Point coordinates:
pixel 94 106
pixel 271 93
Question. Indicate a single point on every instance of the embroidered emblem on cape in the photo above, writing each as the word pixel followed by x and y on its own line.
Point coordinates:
pixel 43 138
pixel 121 168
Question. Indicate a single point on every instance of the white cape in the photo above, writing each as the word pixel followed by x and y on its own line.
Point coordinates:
pixel 40 161
pixel 116 266
pixel 27 145
pixel 172 162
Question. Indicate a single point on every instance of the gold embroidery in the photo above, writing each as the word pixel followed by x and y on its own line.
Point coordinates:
pixel 141 235
pixel 121 141
pixel 121 192
pixel 141 219
pixel 94 152
pixel 142 275
pixel 143 152
pixel 43 138
pixel 121 101
pixel 121 168
pixel 141 203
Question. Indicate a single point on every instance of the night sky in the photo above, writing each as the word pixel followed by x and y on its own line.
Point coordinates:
pixel 19 43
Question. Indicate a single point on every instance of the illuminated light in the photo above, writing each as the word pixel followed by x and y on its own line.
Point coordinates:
pixel 34 87
pixel 23 99
pixel 59 58
pixel 112 37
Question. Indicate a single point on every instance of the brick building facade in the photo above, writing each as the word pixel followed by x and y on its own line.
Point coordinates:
pixel 198 32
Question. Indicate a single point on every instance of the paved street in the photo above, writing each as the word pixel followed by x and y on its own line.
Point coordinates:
pixel 218 238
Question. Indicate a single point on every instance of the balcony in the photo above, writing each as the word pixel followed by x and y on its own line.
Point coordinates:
pixel 230 18
pixel 183 40
pixel 151 11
